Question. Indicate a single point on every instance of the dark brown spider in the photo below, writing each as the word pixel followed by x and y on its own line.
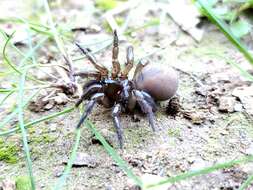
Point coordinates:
pixel 149 84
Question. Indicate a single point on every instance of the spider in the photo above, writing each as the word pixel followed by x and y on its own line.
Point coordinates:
pixel 116 91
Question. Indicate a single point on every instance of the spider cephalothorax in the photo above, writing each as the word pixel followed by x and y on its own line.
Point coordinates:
pixel 148 85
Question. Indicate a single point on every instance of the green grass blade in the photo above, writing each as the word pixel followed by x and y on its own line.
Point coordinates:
pixel 67 170
pixel 8 62
pixel 33 49
pixel 23 130
pixel 6 59
pixel 54 30
pixel 30 124
pixel 204 171
pixel 247 183
pixel 207 10
pixel 6 97
pixel 21 116
pixel 6 38
pixel 121 163
pixel 14 112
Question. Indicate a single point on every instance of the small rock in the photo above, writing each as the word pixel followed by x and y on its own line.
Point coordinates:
pixel 245 94
pixel 84 159
pixel 238 107
pixel 195 117
pixel 61 98
pixel 37 106
pixel 53 127
pixel 50 105
pixel 227 104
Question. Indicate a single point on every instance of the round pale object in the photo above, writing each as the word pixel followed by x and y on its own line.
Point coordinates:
pixel 160 81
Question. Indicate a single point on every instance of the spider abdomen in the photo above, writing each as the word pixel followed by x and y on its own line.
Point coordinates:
pixel 160 81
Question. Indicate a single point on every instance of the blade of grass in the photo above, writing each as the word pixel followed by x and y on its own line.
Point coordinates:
pixel 14 112
pixel 207 10
pixel 23 130
pixel 6 97
pixel 8 62
pixel 247 183
pixel 6 38
pixel 33 49
pixel 57 38
pixel 72 158
pixel 21 116
pixel 121 163
pixel 6 59
pixel 204 171
pixel 30 124
pixel 29 54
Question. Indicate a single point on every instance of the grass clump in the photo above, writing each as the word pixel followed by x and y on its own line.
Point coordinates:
pixel 8 152
pixel 23 183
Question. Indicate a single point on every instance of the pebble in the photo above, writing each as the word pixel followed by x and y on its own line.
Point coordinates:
pixel 227 104
pixel 84 159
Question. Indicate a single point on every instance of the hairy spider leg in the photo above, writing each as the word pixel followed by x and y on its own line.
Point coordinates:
pixel 115 53
pixel 145 107
pixel 130 61
pixel 89 107
pixel 103 71
pixel 84 74
pixel 126 88
pixel 88 90
pixel 142 63
pixel 150 100
pixel 115 114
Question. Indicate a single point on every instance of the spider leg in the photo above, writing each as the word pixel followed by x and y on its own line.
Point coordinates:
pixel 115 114
pixel 84 74
pixel 142 63
pixel 150 100
pixel 115 53
pixel 129 63
pixel 103 71
pixel 145 107
pixel 88 90
pixel 89 107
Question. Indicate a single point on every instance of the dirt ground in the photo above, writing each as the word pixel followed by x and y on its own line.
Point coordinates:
pixel 202 134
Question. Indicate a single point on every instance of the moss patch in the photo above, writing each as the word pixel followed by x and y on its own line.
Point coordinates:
pixel 8 152
pixel 44 138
